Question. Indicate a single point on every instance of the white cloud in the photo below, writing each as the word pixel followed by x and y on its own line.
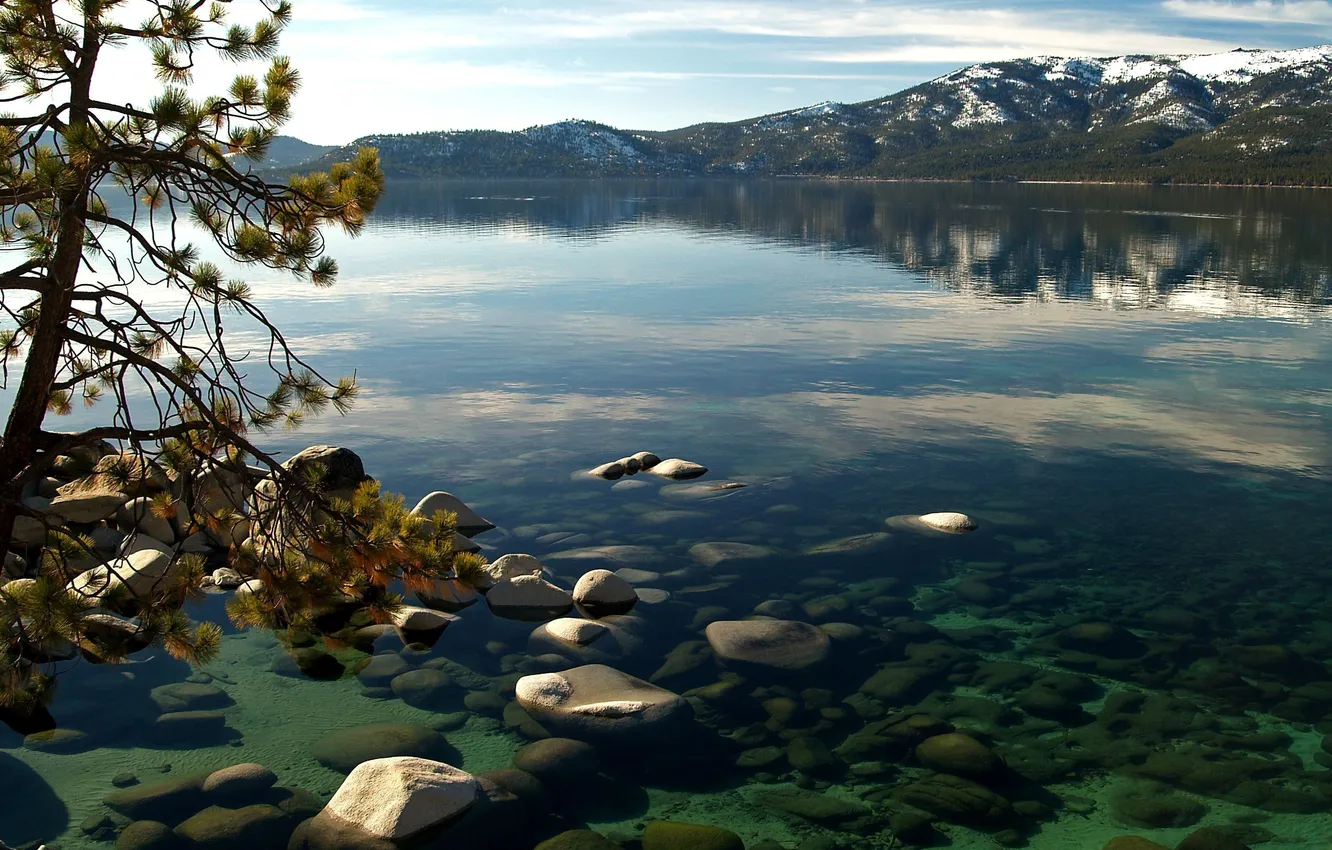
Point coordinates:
pixel 1257 11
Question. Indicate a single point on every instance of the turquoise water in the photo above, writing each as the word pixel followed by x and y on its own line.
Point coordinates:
pixel 1126 387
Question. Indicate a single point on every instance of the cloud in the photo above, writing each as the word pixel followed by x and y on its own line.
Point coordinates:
pixel 1257 11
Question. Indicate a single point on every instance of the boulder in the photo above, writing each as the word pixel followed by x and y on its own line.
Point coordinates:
pixel 780 644
pixel 86 501
pixel 147 835
pixel 578 839
pixel 449 596
pixel 956 800
pixel 558 762
pixel 609 471
pixel 528 597
pixel 668 835
pixel 714 553
pixel 227 578
pixel 239 782
pixel 602 593
pixel 190 696
pixel 646 460
pixel 426 689
pixel 258 826
pixel 598 703
pixel 958 754
pixel 947 522
pixel 402 797
pixel 630 464
pixel 411 618
pixel 678 470
pixel 169 801
pixel 143 572
pixel 620 556
pixel 857 544
pixel 508 566
pixel 470 523
pixel 344 749
pixel 342 468
pixel 1103 639
pixel 137 514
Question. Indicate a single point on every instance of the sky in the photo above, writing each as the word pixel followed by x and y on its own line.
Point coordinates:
pixel 397 66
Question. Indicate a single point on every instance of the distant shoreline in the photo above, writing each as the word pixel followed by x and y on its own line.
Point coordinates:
pixel 834 178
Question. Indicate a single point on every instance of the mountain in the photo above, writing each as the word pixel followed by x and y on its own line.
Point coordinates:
pixel 287 151
pixel 1247 116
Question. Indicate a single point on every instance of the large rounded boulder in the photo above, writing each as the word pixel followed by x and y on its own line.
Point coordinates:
pixel 600 704
pixel 779 644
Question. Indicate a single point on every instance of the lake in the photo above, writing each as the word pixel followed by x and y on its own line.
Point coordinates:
pixel 1127 389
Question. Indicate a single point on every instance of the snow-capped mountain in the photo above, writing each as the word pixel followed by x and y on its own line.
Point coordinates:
pixel 1241 116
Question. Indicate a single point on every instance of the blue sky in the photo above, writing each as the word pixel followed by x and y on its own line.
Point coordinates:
pixel 408 65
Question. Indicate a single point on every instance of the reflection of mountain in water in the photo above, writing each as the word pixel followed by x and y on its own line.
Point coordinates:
pixel 1225 251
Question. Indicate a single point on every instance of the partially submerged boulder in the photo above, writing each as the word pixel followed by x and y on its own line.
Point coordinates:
pixel 596 703
pixel 528 597
pixel 779 644
pixel 400 798
pixel 602 593
pixel 678 470
pixel 470 523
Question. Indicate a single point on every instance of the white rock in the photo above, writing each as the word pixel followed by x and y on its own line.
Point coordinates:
pixel 652 595
pixel 712 554
pixel 401 797
pixel 573 630
pixel 609 471
pixel 136 543
pixel 470 523
pixel 528 597
pixel 412 618
pixel 254 585
pixel 226 577
pixel 510 566
pixel 88 504
pixel 464 544
pixel 141 572
pixel 137 514
pixel 948 522
pixel 784 644
pixel 598 703
pixel 678 470
pixel 601 593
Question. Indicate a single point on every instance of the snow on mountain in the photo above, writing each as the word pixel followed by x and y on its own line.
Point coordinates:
pixel 585 139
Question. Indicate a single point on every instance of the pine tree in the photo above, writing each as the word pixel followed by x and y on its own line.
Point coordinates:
pixel 98 201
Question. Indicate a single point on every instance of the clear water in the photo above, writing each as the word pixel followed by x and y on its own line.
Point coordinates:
pixel 1126 387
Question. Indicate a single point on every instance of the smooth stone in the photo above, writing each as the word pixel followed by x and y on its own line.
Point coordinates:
pixel 169 801
pixel 701 491
pixel 412 618
pixel 678 470
pixel 401 797
pixel 189 696
pixel 147 835
pixel 946 522
pixel 573 630
pixel 86 504
pixel 425 688
pixel 470 523
pixel 601 593
pixel 595 702
pixel 142 572
pixel 344 749
pixel 578 839
pixel 712 554
pixel 609 471
pixel 448 595
pixel 625 556
pixel 138 514
pixel 630 484
pixel 630 464
pixel 511 566
pixel 646 460
pixel 669 835
pixel 218 828
pixel 958 754
pixel 528 597
pixel 652 595
pixel 381 669
pixel 62 741
pixel 782 644
pixel 558 762
pixel 636 576
pixel 239 781
pixel 857 544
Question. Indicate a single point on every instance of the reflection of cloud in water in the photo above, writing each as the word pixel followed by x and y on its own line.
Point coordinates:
pixel 1051 424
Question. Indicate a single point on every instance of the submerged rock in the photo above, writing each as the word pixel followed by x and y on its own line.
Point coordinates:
pixel 528 597
pixel 599 703
pixel 668 835
pixel 857 544
pixel 782 644
pixel 344 749
pixel 714 553
pixel 946 522
pixel 958 754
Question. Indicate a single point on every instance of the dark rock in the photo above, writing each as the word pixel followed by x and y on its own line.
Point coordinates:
pixel 147 835
pixel 124 780
pixel 1103 639
pixel 957 800
pixel 1211 838
pixel 1155 807
pixel 239 783
pixel 425 689
pixel 61 741
pixel 524 786
pixel 668 835
pixel 169 801
pixel 819 808
pixel 189 726
pixel 810 755
pixel 190 696
pixel 578 839
pixel 344 749
pixel 958 754
pixel 558 761
pixel 255 827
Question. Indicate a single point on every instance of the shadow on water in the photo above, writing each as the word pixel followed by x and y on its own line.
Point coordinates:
pixel 30 809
